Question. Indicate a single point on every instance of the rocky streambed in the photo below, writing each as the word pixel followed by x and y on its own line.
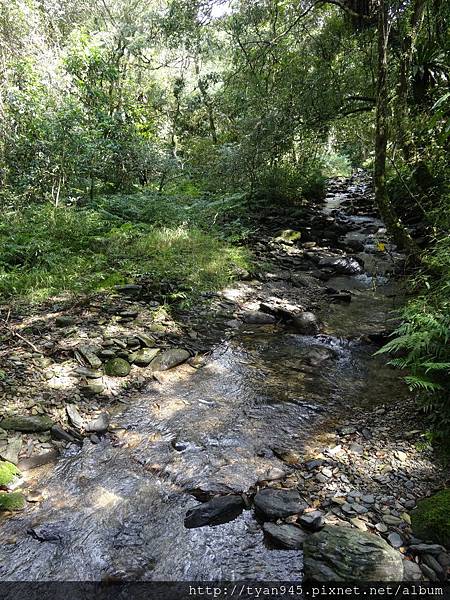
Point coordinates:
pixel 283 446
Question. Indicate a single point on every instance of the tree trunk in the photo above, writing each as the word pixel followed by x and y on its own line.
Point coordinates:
pixel 394 226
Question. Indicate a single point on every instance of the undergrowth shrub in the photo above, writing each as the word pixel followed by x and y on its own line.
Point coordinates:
pixel 44 250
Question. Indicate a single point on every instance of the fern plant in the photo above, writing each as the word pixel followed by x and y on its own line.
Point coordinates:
pixel 420 345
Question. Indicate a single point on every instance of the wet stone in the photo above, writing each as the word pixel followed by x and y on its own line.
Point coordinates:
pixel 98 425
pixel 276 504
pixel 306 323
pixel 285 535
pixel 258 318
pixel 217 511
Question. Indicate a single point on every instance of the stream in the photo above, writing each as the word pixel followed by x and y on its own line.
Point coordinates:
pixel 116 509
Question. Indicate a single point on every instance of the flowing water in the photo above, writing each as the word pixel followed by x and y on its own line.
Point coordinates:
pixel 116 508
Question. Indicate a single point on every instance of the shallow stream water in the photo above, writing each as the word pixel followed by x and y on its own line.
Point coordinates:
pixel 116 509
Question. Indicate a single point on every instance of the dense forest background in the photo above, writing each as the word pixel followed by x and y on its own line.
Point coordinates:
pixel 142 137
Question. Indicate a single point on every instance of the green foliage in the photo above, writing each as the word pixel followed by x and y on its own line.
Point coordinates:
pixel 430 519
pixel 86 249
pixel 12 501
pixel 8 472
pixel 421 343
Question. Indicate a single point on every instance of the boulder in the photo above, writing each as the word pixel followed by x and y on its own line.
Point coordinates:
pixel 29 423
pixel 278 504
pixel 117 367
pixel 343 554
pixel 217 511
pixel 306 323
pixel 285 535
pixel 169 359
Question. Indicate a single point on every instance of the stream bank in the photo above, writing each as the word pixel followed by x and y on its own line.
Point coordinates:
pixel 288 396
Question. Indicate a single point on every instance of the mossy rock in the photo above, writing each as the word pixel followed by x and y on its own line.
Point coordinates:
pixel 431 518
pixel 28 423
pixel 7 472
pixel 12 501
pixel 117 367
pixel 288 235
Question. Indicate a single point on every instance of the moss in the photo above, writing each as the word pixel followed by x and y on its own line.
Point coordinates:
pixel 7 472
pixel 12 501
pixel 431 519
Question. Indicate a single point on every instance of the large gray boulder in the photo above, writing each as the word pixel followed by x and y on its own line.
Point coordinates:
pixel 344 554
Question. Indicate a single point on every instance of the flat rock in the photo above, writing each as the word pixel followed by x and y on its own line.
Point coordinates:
pixel 169 359
pixel 276 504
pixel 74 416
pixel 344 554
pixel 285 535
pixel 217 511
pixel 313 521
pixel 29 423
pixel 427 548
pixel 11 454
pixel 38 460
pixel 88 373
pixel 258 318
pixel 144 357
pixel 129 289
pixel 64 321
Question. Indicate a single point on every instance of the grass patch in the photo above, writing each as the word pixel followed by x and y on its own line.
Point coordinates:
pixel 11 501
pixel 45 251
